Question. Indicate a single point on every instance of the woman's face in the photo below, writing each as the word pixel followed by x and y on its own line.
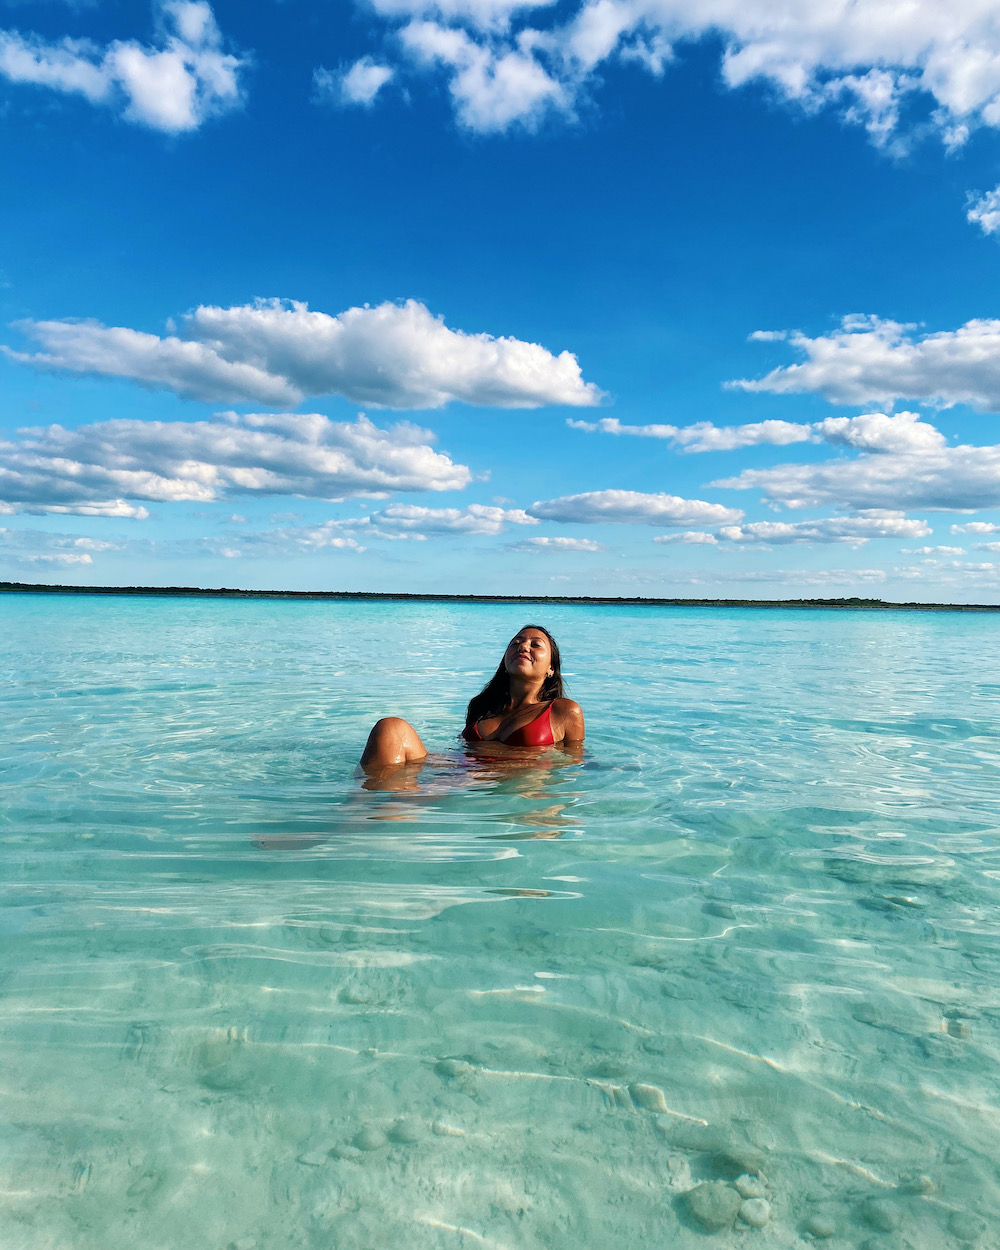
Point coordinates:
pixel 529 654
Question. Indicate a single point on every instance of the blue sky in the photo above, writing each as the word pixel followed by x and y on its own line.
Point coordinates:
pixel 639 297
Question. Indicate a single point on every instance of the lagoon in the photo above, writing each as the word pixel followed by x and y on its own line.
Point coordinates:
pixel 749 941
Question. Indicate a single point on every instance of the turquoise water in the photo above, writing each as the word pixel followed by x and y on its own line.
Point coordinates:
pixel 752 934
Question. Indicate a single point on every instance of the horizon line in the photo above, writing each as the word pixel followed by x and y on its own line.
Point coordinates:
pixel 852 602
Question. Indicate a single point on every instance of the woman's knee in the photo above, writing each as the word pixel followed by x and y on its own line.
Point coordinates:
pixel 392 741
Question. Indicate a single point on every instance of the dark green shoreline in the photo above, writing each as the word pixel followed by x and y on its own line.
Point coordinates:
pixel 225 592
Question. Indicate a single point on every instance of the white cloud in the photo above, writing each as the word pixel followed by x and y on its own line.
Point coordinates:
pixel 690 538
pixel 292 540
pixel 976 527
pixel 854 530
pixel 40 548
pixel 491 87
pixel 397 521
pixel 870 360
pixel 951 479
pixel 173 86
pixel 276 352
pixel 984 211
pixel 474 519
pixel 101 507
pixel 703 435
pixel 481 14
pixel 979 547
pixel 357 85
pixel 631 507
pixel 557 544
pixel 933 551
pixel 873 431
pixel 875 62
pixel 92 467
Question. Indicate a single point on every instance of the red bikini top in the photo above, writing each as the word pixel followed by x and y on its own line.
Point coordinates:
pixel 536 733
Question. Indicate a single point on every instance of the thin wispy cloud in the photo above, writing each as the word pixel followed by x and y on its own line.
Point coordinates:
pixel 358 85
pixel 873 431
pixel 39 549
pixel 173 84
pixel 558 543
pixel 277 352
pixel 854 531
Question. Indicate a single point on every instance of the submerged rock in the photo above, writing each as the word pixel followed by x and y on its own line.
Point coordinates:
pixel 966 1227
pixel 698 1137
pixel 369 1138
pixel 648 1097
pixel 917 1185
pixel 407 1131
pixel 722 910
pixel 452 1068
pixel 739 1160
pixel 751 1186
pixel 441 1128
pixel 714 1205
pixel 878 1213
pixel 755 1211
pixel 314 1158
pixel 609 1070
pixel 819 1225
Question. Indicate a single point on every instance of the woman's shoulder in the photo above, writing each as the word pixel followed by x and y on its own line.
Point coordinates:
pixel 569 715
pixel 565 707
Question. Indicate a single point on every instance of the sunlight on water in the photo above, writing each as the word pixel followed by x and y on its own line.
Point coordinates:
pixel 733 979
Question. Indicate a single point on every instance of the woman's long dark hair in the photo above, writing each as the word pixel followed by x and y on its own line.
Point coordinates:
pixel 494 697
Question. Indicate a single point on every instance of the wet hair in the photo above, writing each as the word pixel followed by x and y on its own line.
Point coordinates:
pixel 494 697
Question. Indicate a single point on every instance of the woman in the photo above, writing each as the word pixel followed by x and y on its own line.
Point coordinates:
pixel 522 705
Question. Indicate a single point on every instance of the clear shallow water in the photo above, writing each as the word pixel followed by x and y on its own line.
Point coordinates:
pixel 246 1003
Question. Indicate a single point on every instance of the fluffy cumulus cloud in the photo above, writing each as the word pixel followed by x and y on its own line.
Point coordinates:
pixel 173 85
pixel 873 431
pixel 876 62
pixel 632 507
pixel 984 211
pixel 93 468
pixel 359 84
pixel 491 85
pixel 976 527
pixel 276 352
pixel 953 479
pixel 869 360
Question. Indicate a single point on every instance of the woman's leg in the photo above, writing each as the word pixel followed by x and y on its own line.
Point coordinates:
pixel 392 741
